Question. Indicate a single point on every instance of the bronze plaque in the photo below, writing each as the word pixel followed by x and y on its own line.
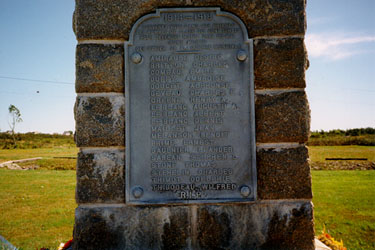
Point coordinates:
pixel 190 134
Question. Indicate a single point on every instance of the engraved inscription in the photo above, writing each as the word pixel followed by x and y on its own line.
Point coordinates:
pixel 190 120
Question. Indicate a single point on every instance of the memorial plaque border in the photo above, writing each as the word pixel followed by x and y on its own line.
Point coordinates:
pixel 252 150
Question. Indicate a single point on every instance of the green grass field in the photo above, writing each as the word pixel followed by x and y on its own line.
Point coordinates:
pixel 16 154
pixel 37 206
pixel 344 201
pixel 319 153
pixel 48 154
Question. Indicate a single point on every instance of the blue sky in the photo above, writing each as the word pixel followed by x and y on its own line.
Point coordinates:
pixel 37 42
pixel 341 78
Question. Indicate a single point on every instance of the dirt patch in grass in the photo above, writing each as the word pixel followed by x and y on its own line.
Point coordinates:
pixel 46 164
pixel 52 158
pixel 343 165
pixel 320 153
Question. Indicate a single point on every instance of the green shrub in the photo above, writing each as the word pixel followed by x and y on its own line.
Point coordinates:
pixel 337 137
pixel 32 140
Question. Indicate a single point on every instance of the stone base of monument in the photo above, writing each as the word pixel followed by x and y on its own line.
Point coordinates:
pixel 265 225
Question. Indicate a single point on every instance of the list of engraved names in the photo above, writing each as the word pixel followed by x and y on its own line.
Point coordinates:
pixel 198 112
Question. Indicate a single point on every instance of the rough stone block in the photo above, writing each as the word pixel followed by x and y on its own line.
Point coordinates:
pixel 279 63
pixel 112 19
pixel 282 117
pixel 256 226
pixel 272 225
pixel 100 176
pixel 99 68
pixel 100 121
pixel 131 227
pixel 283 173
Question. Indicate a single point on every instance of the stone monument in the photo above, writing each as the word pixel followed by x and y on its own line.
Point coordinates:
pixel 192 119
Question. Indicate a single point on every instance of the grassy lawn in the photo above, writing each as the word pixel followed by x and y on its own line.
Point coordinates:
pixel 16 154
pixel 37 207
pixel 319 153
pixel 344 201
pixel 48 154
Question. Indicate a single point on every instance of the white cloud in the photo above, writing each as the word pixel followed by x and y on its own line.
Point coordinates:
pixel 333 46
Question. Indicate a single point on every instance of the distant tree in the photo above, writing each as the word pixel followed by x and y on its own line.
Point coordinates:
pixel 69 132
pixel 15 117
pixel 369 131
